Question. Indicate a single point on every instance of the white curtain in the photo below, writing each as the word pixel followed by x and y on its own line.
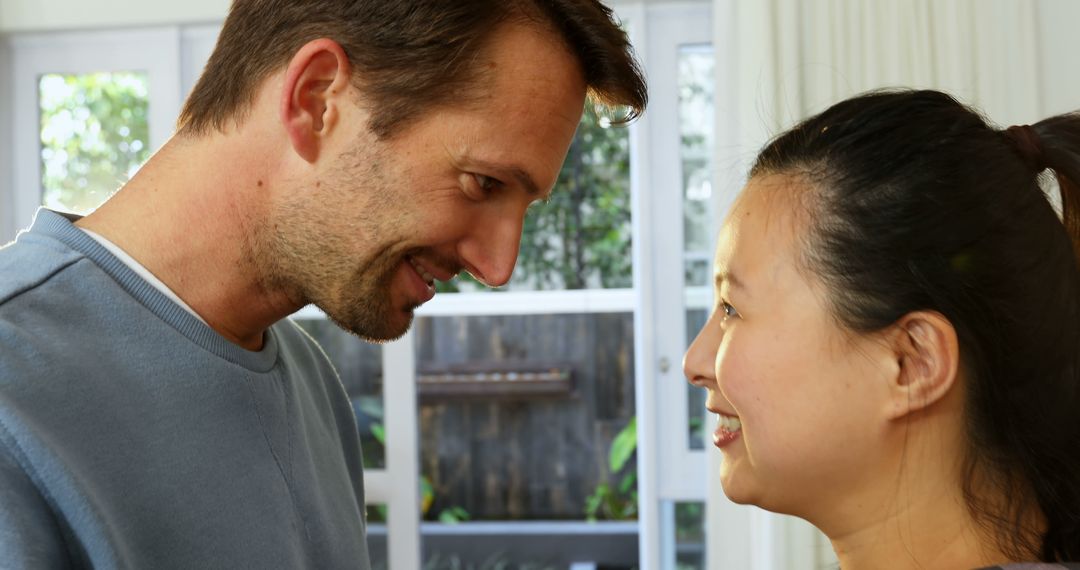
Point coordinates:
pixel 784 60
pixel 794 58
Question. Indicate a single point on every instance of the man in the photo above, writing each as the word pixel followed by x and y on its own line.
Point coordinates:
pixel 155 409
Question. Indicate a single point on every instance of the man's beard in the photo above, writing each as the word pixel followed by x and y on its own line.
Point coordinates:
pixel 364 306
pixel 308 251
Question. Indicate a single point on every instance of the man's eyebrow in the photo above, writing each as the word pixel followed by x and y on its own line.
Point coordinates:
pixel 518 174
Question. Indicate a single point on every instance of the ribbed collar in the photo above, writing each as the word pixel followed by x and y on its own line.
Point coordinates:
pixel 60 227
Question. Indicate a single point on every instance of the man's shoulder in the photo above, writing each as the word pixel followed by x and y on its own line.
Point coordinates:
pixel 297 344
pixel 30 262
pixel 42 284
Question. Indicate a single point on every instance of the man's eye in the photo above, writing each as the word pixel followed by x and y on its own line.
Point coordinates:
pixel 486 183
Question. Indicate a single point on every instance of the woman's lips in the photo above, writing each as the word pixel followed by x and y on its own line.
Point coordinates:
pixel 728 429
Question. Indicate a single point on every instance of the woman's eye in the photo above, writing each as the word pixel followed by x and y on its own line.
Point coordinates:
pixel 728 310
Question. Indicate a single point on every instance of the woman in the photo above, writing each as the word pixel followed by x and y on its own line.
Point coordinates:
pixel 893 355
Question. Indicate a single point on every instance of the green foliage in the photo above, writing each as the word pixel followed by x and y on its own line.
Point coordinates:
pixel 580 238
pixel 372 445
pixel 379 432
pixel 376 513
pixel 623 446
pixel 449 515
pixel 619 502
pixel 453 515
pixel 94 136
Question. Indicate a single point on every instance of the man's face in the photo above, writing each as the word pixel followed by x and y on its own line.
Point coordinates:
pixel 447 193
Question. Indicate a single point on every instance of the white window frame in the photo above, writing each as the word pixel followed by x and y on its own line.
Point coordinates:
pixel 196 45
pixel 670 28
pixel 8 217
pixel 155 51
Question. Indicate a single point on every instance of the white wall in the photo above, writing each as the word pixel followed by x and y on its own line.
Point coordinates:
pixel 48 15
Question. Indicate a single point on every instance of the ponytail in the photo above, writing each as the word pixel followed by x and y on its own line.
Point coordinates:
pixel 1059 144
pixel 1054 477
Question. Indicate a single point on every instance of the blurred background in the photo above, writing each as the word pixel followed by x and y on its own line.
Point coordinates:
pixel 547 424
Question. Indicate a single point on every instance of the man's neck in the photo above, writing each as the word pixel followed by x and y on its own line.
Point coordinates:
pixel 190 216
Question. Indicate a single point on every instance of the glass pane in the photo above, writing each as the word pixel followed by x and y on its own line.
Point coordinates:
pixel 377 537
pixel 94 136
pixel 580 238
pixel 690 536
pixel 696 117
pixel 529 433
pixel 695 320
pixel 359 364
pixel 696 120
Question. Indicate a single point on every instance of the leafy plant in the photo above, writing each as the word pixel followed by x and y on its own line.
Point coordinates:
pixel 619 502
pixel 453 515
pixel 450 515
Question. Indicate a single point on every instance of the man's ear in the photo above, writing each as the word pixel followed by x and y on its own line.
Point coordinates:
pixel 928 355
pixel 316 83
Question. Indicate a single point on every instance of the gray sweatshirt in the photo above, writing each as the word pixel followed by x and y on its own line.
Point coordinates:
pixel 134 436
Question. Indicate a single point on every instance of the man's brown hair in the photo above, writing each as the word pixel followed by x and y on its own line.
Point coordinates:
pixel 413 55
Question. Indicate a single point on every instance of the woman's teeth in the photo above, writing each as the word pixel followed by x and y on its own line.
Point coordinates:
pixel 729 423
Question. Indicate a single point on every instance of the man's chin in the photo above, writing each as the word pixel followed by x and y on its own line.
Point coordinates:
pixel 377 330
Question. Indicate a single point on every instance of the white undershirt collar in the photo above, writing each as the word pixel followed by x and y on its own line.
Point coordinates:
pixel 141 271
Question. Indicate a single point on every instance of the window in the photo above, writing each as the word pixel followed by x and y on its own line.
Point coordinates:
pixel 89 107
pixel 94 136
pixel 696 145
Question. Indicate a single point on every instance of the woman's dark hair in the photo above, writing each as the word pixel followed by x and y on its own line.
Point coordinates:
pixel 916 203
pixel 414 55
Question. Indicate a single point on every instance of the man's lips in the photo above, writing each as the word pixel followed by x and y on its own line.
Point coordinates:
pixel 431 270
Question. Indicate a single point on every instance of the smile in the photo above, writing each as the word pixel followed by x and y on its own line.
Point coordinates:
pixel 422 271
pixel 728 429
pixel 730 423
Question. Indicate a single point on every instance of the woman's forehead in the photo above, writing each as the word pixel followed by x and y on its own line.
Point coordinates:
pixel 764 222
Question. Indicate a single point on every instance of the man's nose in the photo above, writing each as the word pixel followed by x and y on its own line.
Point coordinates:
pixel 491 250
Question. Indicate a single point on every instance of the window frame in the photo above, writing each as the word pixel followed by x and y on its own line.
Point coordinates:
pixel 154 51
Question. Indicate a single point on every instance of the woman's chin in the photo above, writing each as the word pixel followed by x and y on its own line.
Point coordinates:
pixel 737 489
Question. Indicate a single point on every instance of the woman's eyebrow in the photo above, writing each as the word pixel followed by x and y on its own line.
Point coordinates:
pixel 729 277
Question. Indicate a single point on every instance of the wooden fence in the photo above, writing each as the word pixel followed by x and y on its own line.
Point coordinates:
pixel 500 456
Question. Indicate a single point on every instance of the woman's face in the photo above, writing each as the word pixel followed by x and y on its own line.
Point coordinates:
pixel 800 399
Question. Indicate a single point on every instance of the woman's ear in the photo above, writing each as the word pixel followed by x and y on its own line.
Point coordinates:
pixel 316 83
pixel 928 355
